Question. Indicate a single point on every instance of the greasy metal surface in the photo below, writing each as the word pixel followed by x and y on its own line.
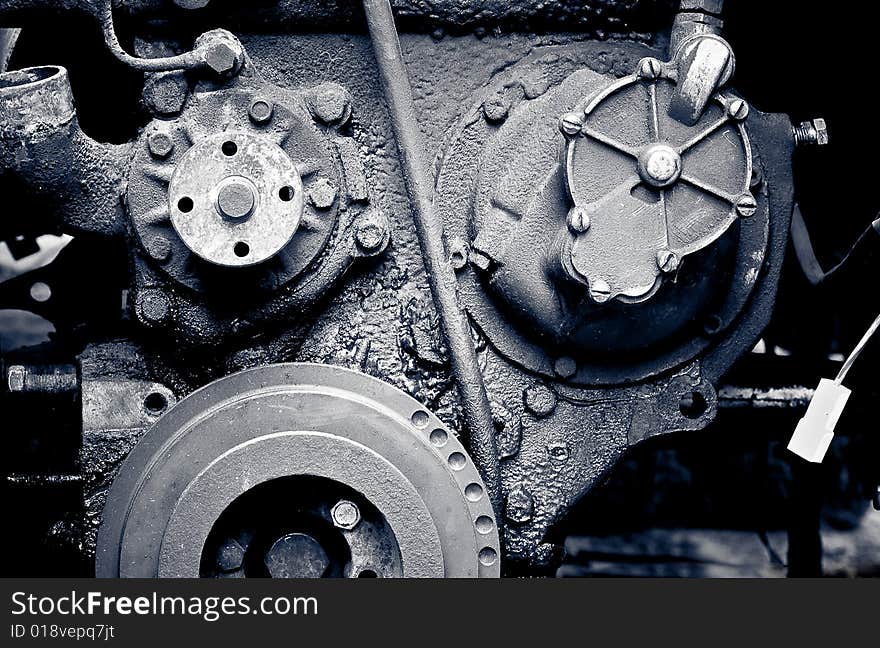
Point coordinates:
pixel 396 454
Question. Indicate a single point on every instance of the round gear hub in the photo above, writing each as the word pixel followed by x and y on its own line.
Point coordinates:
pixel 373 485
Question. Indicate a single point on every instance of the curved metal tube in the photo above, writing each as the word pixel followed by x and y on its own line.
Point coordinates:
pixel 398 94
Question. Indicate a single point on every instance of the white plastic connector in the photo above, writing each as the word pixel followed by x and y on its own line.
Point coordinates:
pixel 814 431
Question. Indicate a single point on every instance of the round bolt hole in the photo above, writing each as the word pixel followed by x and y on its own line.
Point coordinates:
pixel 185 204
pixel 367 573
pixel 286 193
pixel 40 292
pixel 693 405
pixel 241 249
pixel 155 403
pixel 229 148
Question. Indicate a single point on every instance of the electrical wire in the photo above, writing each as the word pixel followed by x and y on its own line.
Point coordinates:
pixel 857 351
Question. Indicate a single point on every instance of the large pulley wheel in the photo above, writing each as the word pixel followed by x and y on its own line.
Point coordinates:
pixel 298 470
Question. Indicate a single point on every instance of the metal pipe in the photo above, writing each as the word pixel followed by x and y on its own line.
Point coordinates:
pixel 398 94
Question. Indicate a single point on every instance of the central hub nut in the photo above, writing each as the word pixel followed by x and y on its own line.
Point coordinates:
pixel 660 165
pixel 236 198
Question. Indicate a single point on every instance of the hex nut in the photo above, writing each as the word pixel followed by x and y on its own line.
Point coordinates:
pixel 346 515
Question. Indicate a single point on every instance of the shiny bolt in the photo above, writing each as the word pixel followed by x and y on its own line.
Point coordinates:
pixel 230 556
pixel 261 111
pixel 571 123
pixel 738 109
pixel 345 514
pixel 15 378
pixel 369 236
pixel 811 133
pixel 160 145
pixel 746 206
pixel 650 68
pixel 667 261
pixel 578 220
pixel 600 291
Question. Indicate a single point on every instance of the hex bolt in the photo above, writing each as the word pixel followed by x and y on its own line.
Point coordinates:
pixel 230 556
pixel 42 379
pixel 578 220
pixel 158 247
pixel 160 145
pixel 261 111
pixel 571 123
pixel 331 104
pixel 152 306
pixel 346 515
pixel 600 291
pixel 222 58
pixel 667 261
pixel 369 236
pixel 811 133
pixel 746 206
pixel 322 194
pixel 496 109
pixel 650 68
pixel 165 93
pixel 539 399
pixel 737 109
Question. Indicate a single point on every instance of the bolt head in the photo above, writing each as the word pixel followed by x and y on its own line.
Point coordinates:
pixel 236 200
pixel 261 111
pixel 331 104
pixel 571 123
pixel 667 261
pixel 152 306
pixel 746 206
pixel 578 220
pixel 230 556
pixel 738 109
pixel 346 515
pixel 165 93
pixel 322 194
pixel 158 247
pixel 222 58
pixel 496 109
pixel 821 131
pixel 160 145
pixel 650 68
pixel 15 378
pixel 369 236
pixel 539 399
pixel 600 291
pixel 565 367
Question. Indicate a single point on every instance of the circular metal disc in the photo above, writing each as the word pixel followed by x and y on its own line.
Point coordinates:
pixel 236 199
pixel 297 419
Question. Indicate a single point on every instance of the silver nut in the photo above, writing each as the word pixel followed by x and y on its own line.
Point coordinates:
pixel 346 515
pixel 571 123
pixel 821 131
pixel 746 206
pixel 667 261
pixel 578 220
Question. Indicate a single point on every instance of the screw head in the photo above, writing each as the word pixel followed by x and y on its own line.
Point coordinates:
pixel 160 145
pixel 746 206
pixel 369 236
pixel 650 68
pixel 667 261
pixel 261 111
pixel 600 291
pixel 738 109
pixel 571 123
pixel 346 515
pixel 578 220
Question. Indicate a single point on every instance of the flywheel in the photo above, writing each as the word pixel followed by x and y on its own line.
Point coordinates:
pixel 298 470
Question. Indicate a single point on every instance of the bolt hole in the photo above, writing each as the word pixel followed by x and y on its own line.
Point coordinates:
pixel 40 292
pixel 229 148
pixel 368 573
pixel 241 249
pixel 185 204
pixel 286 193
pixel 693 405
pixel 155 403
